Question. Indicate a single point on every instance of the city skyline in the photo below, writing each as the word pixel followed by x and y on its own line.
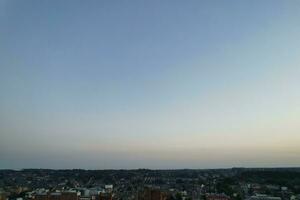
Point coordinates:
pixel 149 84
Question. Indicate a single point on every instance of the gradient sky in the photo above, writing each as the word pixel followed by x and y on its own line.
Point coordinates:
pixel 149 84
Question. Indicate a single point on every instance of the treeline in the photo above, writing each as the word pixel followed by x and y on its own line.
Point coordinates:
pixel 287 178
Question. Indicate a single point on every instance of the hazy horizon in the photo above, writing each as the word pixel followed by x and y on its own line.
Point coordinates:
pixel 159 169
pixel 149 84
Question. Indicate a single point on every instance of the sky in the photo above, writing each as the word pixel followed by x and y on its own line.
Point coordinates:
pixel 149 84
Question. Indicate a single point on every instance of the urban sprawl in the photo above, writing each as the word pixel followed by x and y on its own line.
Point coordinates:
pixel 144 184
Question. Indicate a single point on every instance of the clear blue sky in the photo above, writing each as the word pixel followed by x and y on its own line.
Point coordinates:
pixel 149 84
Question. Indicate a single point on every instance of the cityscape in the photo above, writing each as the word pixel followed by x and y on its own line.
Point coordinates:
pixel 145 184
pixel 149 99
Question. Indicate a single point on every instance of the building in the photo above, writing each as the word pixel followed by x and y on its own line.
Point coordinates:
pixel 105 196
pixel 57 196
pixel 263 197
pixel 2 196
pixel 151 194
pixel 213 196
pixel 108 188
